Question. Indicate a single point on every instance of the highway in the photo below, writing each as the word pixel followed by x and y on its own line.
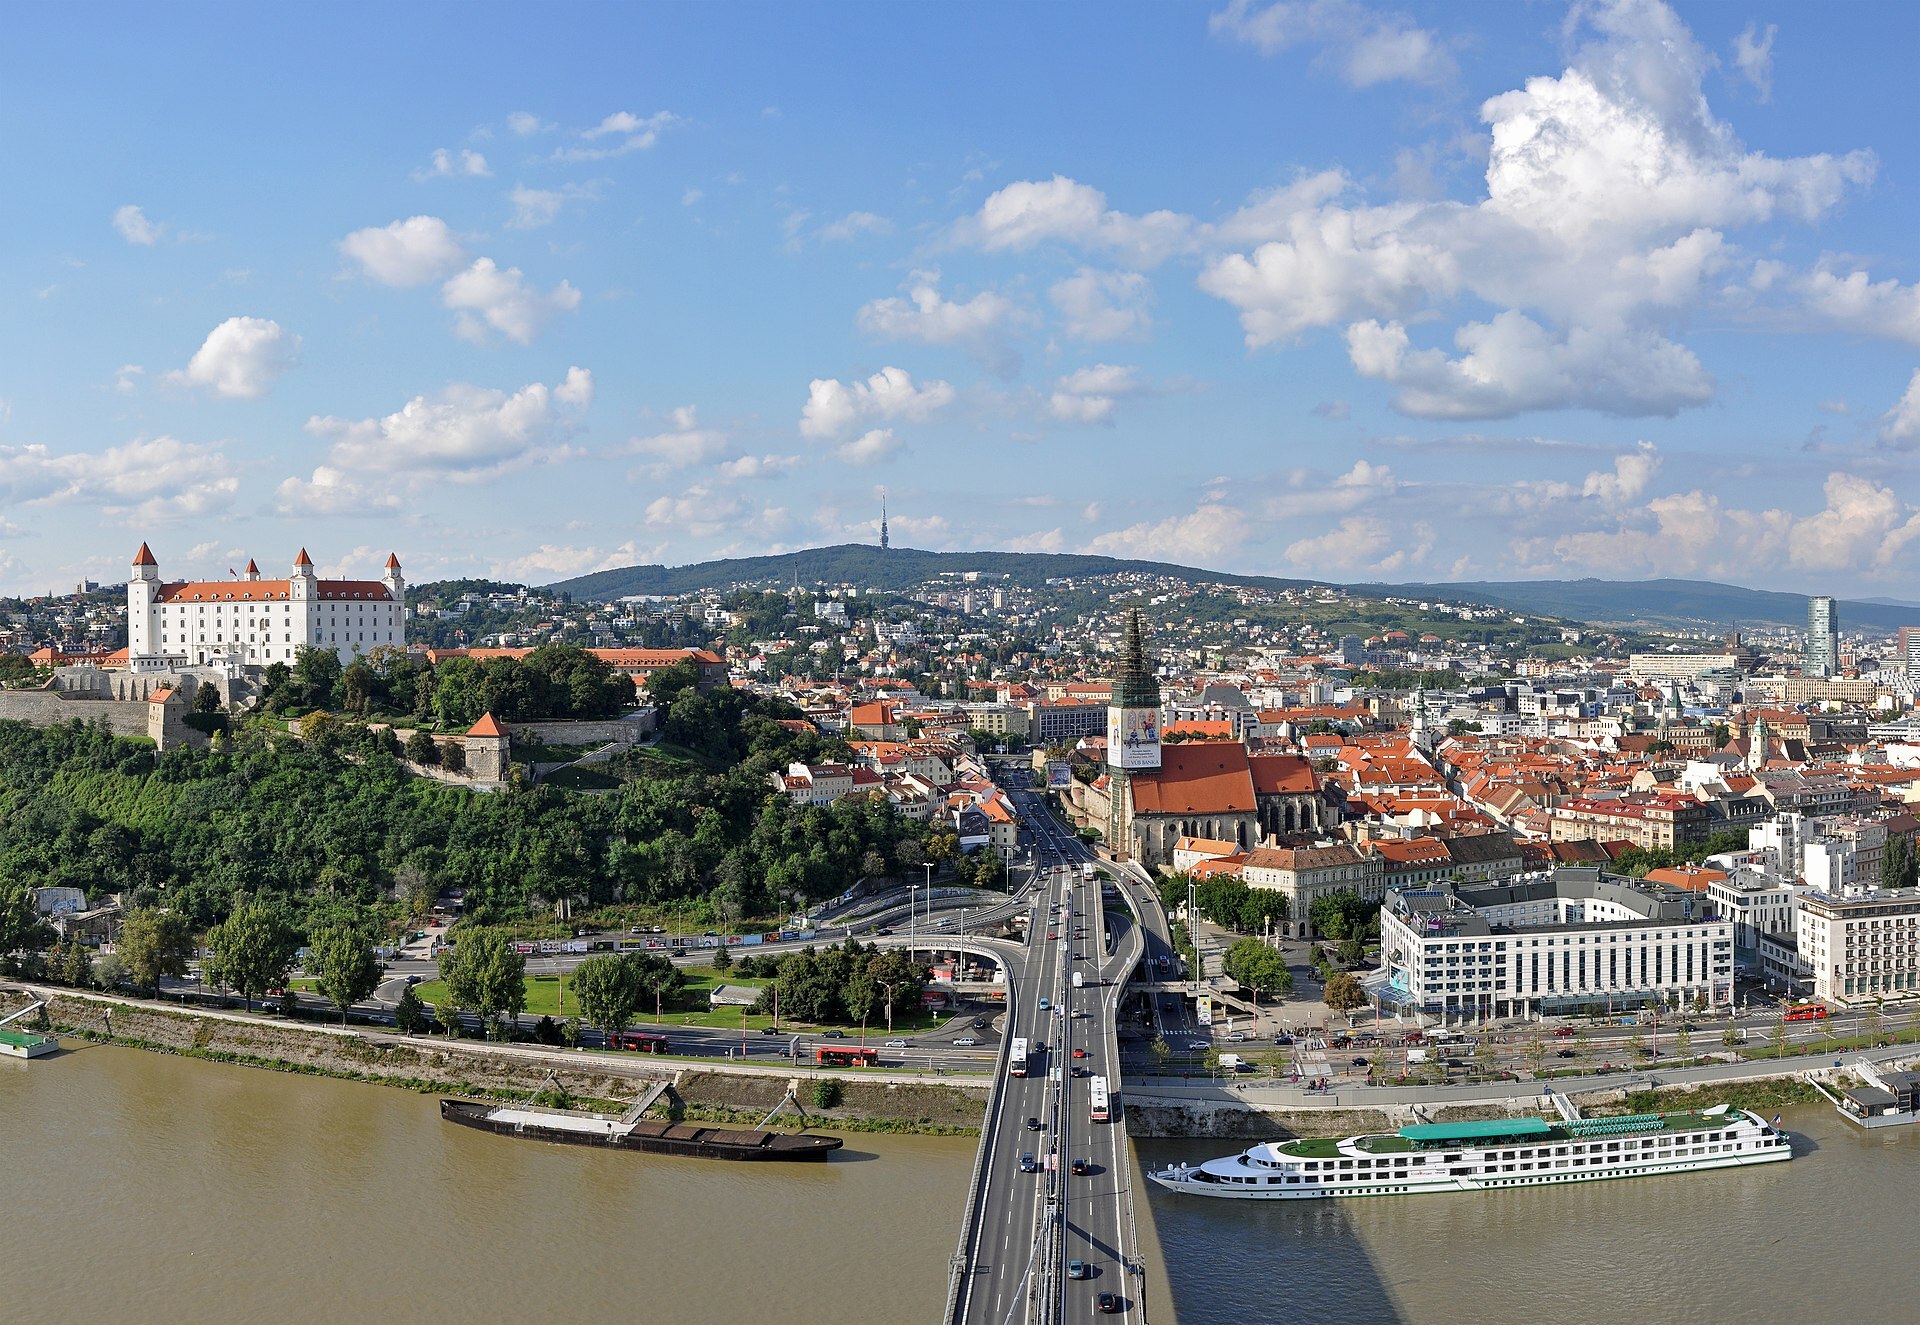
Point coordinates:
pixel 1026 1229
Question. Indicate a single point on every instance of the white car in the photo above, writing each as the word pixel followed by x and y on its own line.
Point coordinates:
pixel 896 1044
pixel 965 1042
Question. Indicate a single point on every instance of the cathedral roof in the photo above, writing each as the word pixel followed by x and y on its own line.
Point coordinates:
pixel 1201 777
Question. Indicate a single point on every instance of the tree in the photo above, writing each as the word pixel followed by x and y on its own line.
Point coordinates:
pixel 1344 992
pixel 409 1013
pixel 609 990
pixel 1161 1051
pixel 20 924
pixel 1258 967
pixel 1872 1023
pixel 155 944
pixel 722 959
pixel 1534 1051
pixel 206 699
pixel 252 950
pixel 1899 867
pixel 570 1032
pixel 422 748
pixel 1485 1055
pixel 486 976
pixel 453 756
pixel 341 961
pixel 1683 1043
pixel 1732 1037
pixel 1777 1037
pixel 76 963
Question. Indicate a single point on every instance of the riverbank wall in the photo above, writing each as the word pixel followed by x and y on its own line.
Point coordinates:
pixel 482 1070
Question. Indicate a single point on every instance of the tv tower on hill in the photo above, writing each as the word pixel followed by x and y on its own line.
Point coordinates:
pixel 885 543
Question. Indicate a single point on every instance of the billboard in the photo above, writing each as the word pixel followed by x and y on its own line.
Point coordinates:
pixel 1203 1010
pixel 1133 738
pixel 1059 775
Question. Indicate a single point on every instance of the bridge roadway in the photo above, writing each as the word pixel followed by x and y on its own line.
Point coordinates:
pixel 1022 1229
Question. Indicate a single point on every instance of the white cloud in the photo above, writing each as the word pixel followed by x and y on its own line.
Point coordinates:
pixel 980 324
pixel 525 124
pixel 1032 212
pixel 533 208
pixel 1104 305
pixel 756 467
pixel 1046 540
pixel 333 492
pixel 1856 302
pixel 618 134
pixel 1362 543
pixel 135 228
pixel 240 358
pixel 487 297
pixel 1631 473
pixel 466 434
pixel 700 512
pixel 549 561
pixel 834 407
pixel 410 252
pixel 691 196
pixel 1753 57
pixel 686 444
pixel 1364 46
pixel 870 448
pixel 1900 426
pixel 1088 395
pixel 445 164
pixel 1512 364
pixel 126 378
pixel 147 480
pixel 1208 537
pixel 855 224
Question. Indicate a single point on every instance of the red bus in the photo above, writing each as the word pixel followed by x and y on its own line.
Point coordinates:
pixel 1806 1012
pixel 846 1056
pixel 646 1042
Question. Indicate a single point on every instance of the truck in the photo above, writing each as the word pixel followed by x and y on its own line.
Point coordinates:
pixel 1232 1062
pixel 1086 869
pixel 1079 979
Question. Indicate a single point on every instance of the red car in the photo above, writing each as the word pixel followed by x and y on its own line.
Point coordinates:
pixel 1079 1053
pixel 1562 1032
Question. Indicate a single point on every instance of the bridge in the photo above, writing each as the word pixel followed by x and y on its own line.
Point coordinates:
pixel 1022 1231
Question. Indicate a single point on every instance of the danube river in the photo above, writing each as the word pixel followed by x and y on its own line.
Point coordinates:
pixel 1825 1237
pixel 142 1187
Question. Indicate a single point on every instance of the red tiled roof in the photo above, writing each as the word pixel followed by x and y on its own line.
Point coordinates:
pixel 144 557
pixel 1282 775
pixel 1206 777
pixel 485 727
pixel 256 591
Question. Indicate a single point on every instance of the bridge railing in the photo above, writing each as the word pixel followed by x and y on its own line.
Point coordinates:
pixel 976 1183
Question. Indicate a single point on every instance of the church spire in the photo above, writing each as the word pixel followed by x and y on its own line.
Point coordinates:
pixel 1134 685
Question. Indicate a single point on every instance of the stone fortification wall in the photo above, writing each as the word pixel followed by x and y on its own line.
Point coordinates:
pixel 47 708
pixel 625 731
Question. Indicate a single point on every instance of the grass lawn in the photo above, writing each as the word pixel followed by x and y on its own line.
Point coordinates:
pixel 575 778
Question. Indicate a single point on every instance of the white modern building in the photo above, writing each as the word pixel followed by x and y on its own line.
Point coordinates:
pixel 1547 943
pixel 1761 905
pixel 250 621
pixel 1864 948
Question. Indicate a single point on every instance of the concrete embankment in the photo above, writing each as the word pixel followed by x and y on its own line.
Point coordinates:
pixel 502 1071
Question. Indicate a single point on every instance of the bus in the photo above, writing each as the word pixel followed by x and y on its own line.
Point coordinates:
pixel 1806 1012
pixel 646 1042
pixel 1017 1058
pixel 1097 1088
pixel 846 1056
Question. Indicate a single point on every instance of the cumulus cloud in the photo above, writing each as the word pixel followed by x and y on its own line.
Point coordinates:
pixel 491 299
pixel 333 491
pixel 445 165
pixel 240 358
pixel 403 253
pixel 1103 305
pixel 835 408
pixel 618 134
pixel 1900 426
pixel 756 466
pixel 147 480
pixel 135 228
pixel 525 124
pixel 855 224
pixel 1088 395
pixel 685 444
pixel 466 434
pixel 869 448
pixel 533 208
pixel 551 561
pixel 1031 212
pixel 980 323
pixel 1364 46
pixel 1207 536
pixel 1362 543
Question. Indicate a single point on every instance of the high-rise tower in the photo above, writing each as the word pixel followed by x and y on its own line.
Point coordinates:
pixel 1133 730
pixel 884 542
pixel 1823 638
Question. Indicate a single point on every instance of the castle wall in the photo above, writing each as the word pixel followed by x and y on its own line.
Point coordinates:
pixel 48 708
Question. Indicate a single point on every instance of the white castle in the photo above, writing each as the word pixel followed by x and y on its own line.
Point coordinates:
pixel 251 622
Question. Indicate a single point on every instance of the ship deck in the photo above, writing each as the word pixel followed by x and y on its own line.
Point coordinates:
pixel 1537 1132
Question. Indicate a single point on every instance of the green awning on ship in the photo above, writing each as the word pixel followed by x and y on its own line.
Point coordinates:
pixel 1440 1134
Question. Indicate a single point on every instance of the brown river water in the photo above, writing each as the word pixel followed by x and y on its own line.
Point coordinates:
pixel 142 1187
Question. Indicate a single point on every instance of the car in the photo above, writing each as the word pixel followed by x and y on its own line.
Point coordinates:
pixel 1107 1304
pixel 1564 1053
pixel 413 979
pixel 1079 1270
pixel 1359 1061
pixel 1045 1004
pixel 1028 1164
pixel 979 1023
pixel 896 1044
pixel 833 1035
pixel 1562 1032
pixel 1236 1037
pixel 1082 1071
pixel 769 1030
pixel 1079 1053
pixel 1079 1167
pixel 883 931
pixel 1198 1046
pixel 1033 1124
pixel 965 1042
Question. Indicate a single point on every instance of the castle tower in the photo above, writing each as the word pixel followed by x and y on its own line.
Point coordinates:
pixel 253 569
pixel 143 586
pixel 1133 731
pixel 487 750
pixel 303 585
pixel 396 583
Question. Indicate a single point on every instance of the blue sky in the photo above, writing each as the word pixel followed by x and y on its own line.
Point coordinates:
pixel 1309 288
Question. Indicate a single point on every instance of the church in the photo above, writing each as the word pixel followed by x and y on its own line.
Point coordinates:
pixel 250 621
pixel 1153 794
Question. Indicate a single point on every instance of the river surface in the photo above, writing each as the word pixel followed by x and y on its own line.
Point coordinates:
pixel 1825 1237
pixel 137 1186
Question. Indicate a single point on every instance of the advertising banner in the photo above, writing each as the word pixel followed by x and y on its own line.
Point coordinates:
pixel 1133 738
pixel 1059 775
pixel 1203 1010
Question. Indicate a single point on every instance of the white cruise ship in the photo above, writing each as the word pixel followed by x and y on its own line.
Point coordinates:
pixel 1464 1157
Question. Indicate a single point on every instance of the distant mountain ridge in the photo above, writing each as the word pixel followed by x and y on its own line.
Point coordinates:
pixel 1696 604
